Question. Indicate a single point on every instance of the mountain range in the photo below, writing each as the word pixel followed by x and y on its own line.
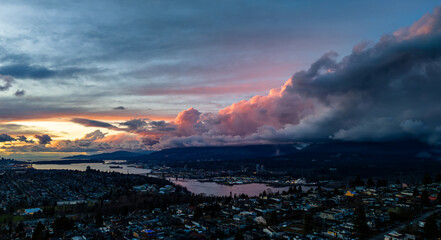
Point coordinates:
pixel 192 154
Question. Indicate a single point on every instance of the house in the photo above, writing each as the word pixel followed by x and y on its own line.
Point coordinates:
pixel 395 236
pixel 350 193
pixel 32 211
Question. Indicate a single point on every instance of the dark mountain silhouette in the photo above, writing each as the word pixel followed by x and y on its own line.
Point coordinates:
pixel 219 153
pixel 119 155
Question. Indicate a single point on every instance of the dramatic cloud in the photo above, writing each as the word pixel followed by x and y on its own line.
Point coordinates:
pixel 5 138
pixel 187 122
pixel 7 82
pixel 148 52
pixel 18 129
pixel 89 143
pixel 23 139
pixel 380 92
pixel 134 124
pixel 43 139
pixel 95 135
pixel 39 72
pixel 92 123
pixel 180 56
pixel 26 71
pixel 430 23
pixel 19 93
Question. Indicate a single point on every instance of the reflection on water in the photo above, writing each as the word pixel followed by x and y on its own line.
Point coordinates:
pixel 192 185
pixel 95 166
pixel 215 189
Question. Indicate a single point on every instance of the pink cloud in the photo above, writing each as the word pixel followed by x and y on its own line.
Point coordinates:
pixel 428 24
pixel 383 91
pixel 276 109
pixel 368 95
pixel 187 122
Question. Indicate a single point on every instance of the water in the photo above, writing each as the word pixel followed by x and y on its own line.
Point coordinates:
pixel 215 189
pixel 192 185
pixel 95 166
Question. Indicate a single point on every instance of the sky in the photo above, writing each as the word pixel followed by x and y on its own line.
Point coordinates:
pixel 98 76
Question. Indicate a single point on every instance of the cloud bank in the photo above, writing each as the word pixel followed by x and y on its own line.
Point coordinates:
pixel 43 139
pixel 7 82
pixel 382 91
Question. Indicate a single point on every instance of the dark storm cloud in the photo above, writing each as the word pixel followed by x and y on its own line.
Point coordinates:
pixel 17 129
pixel 6 138
pixel 384 91
pixel 380 92
pixel 6 82
pixel 43 139
pixel 23 139
pixel 194 46
pixel 147 127
pixel 134 124
pixel 149 142
pixel 38 108
pixel 19 93
pixel 162 126
pixel 92 123
pixel 39 72
pixel 26 71
pixel 119 108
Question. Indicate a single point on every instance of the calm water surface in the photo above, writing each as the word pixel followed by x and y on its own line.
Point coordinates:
pixel 192 185
pixel 215 189
pixel 95 166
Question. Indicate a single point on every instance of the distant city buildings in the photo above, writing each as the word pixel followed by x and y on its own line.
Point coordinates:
pixel 260 168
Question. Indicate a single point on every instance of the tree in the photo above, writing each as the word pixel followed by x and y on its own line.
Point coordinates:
pixel 198 212
pixel 40 232
pixel 308 222
pixel 292 190
pixel 438 177
pixel 20 227
pixel 430 228
pixel 62 224
pixel 361 227
pixel 356 182
pixel 239 237
pixel 370 183
pixel 99 219
pixel 415 192
pixel 382 183
pixel 425 201
pixel 319 189
pixel 20 230
pixel 427 179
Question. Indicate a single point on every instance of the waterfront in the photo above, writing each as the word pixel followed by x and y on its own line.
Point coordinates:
pixel 192 185
pixel 122 168
pixel 212 188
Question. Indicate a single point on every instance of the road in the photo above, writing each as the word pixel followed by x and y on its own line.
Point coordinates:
pixel 397 228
